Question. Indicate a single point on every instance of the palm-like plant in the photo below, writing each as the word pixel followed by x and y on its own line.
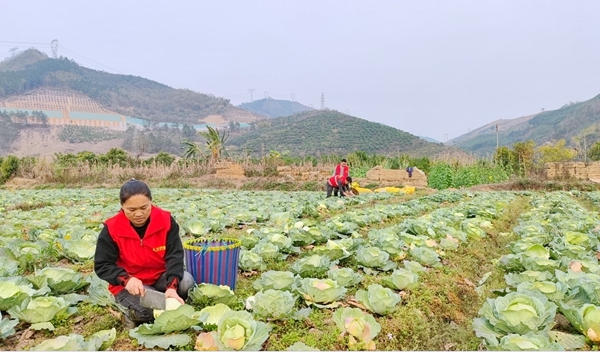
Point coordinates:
pixel 191 150
pixel 215 141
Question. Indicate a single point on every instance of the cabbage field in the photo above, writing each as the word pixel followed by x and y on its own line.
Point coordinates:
pixel 452 270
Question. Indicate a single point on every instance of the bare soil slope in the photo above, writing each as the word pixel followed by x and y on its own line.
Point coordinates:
pixel 44 142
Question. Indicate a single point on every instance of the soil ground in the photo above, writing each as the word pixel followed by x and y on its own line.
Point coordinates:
pixel 44 142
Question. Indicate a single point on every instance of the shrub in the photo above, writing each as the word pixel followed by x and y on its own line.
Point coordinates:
pixel 10 165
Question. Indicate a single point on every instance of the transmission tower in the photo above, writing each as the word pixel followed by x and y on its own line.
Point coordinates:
pixel 13 51
pixel 293 96
pixel 322 101
pixel 251 92
pixel 266 95
pixel 54 45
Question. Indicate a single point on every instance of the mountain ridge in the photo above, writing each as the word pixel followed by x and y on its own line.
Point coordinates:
pixel 578 123
pixel 273 108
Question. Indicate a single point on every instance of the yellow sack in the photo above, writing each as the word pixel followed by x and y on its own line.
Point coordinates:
pixel 362 190
pixel 405 189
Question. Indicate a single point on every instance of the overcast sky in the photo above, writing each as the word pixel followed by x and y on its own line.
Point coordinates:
pixel 431 68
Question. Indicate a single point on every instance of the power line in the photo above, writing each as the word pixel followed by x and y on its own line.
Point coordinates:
pixel 74 54
pixel 83 57
pixel 19 43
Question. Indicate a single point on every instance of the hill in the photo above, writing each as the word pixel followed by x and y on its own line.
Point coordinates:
pixel 429 139
pixel 21 61
pixel 572 122
pixel 274 108
pixel 323 132
pixel 127 95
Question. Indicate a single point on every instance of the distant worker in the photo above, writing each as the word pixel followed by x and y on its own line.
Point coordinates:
pixel 339 184
pixel 410 170
pixel 342 169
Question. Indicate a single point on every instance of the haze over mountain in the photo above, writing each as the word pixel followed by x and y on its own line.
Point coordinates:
pixel 274 107
pixel 322 132
pixel 75 96
pixel 578 123
pixel 128 95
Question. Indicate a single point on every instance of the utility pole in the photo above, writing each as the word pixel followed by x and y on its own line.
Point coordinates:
pixel 496 136
pixel 251 91
pixel 584 149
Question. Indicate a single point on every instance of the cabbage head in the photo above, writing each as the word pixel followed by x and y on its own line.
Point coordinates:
pixel 372 257
pixel 426 256
pixel 63 280
pixel 555 291
pixel 586 319
pixel 274 304
pixel 212 315
pixel 379 299
pixel 12 294
pixel 402 279
pixel 311 266
pixel 205 294
pixel 345 276
pixel 321 293
pixel 250 261
pixel 283 242
pixel 41 309
pixel 269 251
pixel 275 280
pixel 516 313
pixel 360 327
pixel 238 331
pixel 528 342
pixel 249 241
pixel 72 342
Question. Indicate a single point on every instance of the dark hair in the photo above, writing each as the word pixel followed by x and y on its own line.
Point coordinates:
pixel 134 187
pixel 344 160
pixel 349 179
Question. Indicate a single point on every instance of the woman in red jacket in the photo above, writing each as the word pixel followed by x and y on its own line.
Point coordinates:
pixel 140 247
pixel 339 184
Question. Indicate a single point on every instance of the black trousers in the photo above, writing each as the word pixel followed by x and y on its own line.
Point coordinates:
pixel 335 190
pixel 140 314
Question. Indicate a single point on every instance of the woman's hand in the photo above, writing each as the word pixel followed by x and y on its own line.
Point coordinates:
pixel 135 287
pixel 172 293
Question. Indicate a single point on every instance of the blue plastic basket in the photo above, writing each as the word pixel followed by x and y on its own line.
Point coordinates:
pixel 213 261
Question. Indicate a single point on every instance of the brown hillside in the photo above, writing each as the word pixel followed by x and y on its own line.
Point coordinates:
pixel 44 142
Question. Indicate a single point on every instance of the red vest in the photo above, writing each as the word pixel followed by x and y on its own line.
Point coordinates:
pixel 141 258
pixel 333 180
pixel 341 170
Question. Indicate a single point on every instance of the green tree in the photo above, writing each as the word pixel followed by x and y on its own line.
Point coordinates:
pixel 594 152
pixel 524 153
pixel 116 156
pixel 555 153
pixel 188 132
pixel 10 165
pixel 87 156
pixel 215 142
pixel 164 158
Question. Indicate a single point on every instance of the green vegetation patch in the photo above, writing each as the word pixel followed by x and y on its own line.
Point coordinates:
pixel 83 134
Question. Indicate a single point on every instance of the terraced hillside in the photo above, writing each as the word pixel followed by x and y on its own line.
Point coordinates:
pixel 331 132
